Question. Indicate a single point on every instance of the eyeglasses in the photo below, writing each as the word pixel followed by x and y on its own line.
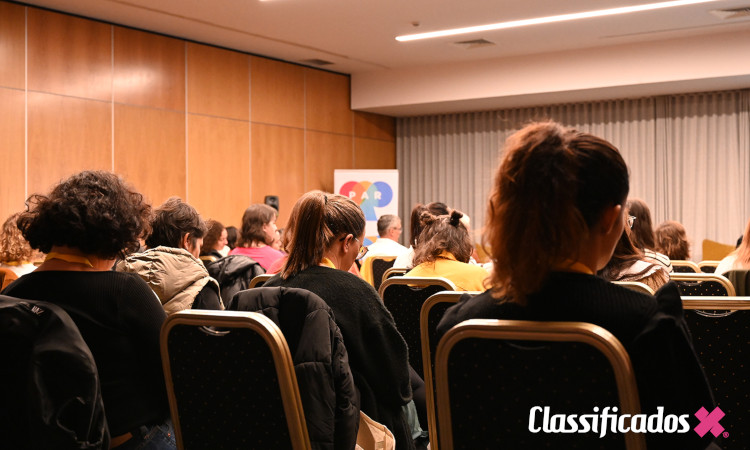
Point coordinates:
pixel 362 251
pixel 631 221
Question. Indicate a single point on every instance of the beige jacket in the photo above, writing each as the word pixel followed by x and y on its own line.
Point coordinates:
pixel 175 275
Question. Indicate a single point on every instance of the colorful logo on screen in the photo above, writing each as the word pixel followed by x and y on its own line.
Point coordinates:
pixel 368 195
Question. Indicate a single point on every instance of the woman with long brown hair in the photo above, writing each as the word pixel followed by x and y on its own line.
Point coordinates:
pixel 323 238
pixel 555 215
pixel 257 233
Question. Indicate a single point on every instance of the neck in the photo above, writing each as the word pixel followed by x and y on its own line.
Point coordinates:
pixel 79 261
pixel 333 257
pixel 256 244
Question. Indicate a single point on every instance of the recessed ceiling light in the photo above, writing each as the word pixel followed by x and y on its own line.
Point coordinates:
pixel 549 19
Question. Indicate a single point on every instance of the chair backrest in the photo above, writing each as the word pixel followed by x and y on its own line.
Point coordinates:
pixel 208 259
pixel 720 327
pixel 374 267
pixel 682 266
pixel 403 297
pixel 393 272
pixel 716 250
pixel 432 311
pixel 708 266
pixel 260 280
pixel 636 286
pixel 231 382
pixel 692 284
pixel 494 376
pixel 740 279
pixel 7 276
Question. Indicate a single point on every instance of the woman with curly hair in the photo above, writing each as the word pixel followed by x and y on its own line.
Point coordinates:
pixel 84 225
pixel 444 251
pixel 15 251
pixel 556 212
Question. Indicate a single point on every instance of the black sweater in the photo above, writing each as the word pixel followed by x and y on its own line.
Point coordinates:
pixel 120 318
pixel 378 355
pixel 666 367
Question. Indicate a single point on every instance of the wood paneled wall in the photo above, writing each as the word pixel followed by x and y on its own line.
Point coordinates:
pixel 219 128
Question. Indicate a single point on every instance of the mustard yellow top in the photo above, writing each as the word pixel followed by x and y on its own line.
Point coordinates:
pixel 466 277
pixel 69 258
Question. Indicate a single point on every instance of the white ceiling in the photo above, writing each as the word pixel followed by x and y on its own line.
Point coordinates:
pixel 358 36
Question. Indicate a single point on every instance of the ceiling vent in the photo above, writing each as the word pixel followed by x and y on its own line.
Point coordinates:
pixel 474 43
pixel 316 62
pixel 734 13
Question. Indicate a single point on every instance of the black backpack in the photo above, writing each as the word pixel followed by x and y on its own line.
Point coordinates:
pixel 49 386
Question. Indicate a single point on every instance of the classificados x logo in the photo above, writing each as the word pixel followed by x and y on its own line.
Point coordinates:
pixel 607 420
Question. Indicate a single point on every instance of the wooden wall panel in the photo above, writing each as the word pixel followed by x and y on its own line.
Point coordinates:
pixel 12 45
pixel 218 82
pixel 69 55
pixel 374 154
pixel 277 92
pixel 278 166
pixel 149 70
pixel 219 167
pixel 327 102
pixel 150 151
pixel 324 153
pixel 66 135
pixel 374 126
pixel 13 167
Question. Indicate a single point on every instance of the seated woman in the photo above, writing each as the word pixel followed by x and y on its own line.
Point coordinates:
pixel 406 259
pixel 257 234
pixel 739 259
pixel 642 232
pixel 444 251
pixel 15 252
pixel 215 240
pixel 671 240
pixel 629 264
pixel 170 265
pixel 554 218
pixel 83 225
pixel 324 238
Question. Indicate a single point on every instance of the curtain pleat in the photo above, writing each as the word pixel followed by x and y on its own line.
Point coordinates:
pixel 689 156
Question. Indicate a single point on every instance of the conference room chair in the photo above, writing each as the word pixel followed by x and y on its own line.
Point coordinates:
pixel 231 382
pixel 492 374
pixel 259 280
pixel 708 266
pixel 208 259
pixel 692 284
pixel 393 272
pixel 403 297
pixel 432 311
pixel 7 276
pixel 713 250
pixel 720 327
pixel 636 286
pixel 374 267
pixel 740 279
pixel 682 266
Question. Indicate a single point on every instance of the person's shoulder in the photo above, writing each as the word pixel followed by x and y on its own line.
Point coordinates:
pixel 481 306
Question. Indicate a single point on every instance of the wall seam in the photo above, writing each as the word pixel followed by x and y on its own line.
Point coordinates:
pixel 25 103
pixel 112 91
pixel 187 139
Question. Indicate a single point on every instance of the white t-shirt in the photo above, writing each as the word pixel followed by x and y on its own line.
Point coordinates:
pixel 726 264
pixel 385 247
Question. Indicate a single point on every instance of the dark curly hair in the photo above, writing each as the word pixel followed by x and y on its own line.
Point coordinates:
pixel 95 212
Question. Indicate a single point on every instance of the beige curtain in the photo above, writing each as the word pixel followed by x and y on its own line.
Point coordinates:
pixel 689 156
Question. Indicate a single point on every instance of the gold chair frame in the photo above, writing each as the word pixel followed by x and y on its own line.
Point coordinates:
pixel 582 332
pixel 366 270
pixel 685 263
pixel 708 263
pixel 259 278
pixel 282 358
pixel 705 277
pixel 417 282
pixel 393 270
pixel 636 286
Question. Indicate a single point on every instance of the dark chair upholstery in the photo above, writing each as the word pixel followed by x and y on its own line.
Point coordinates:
pixel 702 284
pixel 491 373
pixel 720 327
pixel 429 317
pixel 379 267
pixel 403 297
pixel 231 382
pixel 740 279
pixel 709 266
pixel 682 266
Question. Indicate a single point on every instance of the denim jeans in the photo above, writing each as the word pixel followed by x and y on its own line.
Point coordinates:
pixel 156 437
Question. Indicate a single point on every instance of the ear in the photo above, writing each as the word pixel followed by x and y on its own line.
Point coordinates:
pixel 610 218
pixel 347 242
pixel 185 241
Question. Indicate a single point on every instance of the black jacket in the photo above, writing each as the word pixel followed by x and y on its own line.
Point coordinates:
pixel 329 397
pixel 234 273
